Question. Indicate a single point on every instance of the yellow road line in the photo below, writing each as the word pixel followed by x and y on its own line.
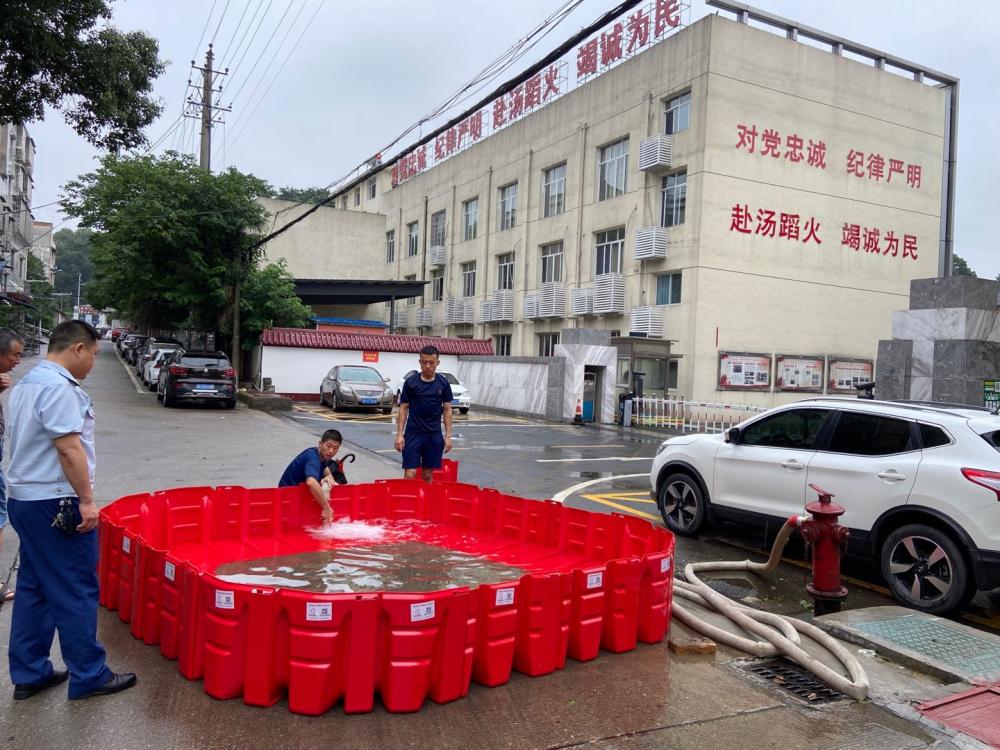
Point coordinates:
pixel 624 508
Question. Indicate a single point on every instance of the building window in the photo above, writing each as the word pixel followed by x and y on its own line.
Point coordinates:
pixel 372 187
pixel 411 239
pixel 438 228
pixel 668 289
pixel 554 191
pixel 357 196
pixel 505 271
pixel 390 246
pixel 411 300
pixel 673 365
pixel 678 113
pixel 673 199
pixel 508 206
pixel 470 218
pixel 437 285
pixel 552 262
pixel 612 170
pixel 501 344
pixel 469 279
pixel 610 251
pixel 547 344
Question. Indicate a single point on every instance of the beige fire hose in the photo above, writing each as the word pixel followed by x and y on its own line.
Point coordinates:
pixel 779 634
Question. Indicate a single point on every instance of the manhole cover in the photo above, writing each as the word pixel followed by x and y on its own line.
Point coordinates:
pixel 973 712
pixel 793 679
pixel 965 652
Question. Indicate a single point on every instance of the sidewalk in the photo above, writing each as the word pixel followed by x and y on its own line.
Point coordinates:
pixel 647 698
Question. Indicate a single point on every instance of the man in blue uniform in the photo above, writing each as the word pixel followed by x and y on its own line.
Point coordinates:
pixel 52 509
pixel 315 467
pixel 426 398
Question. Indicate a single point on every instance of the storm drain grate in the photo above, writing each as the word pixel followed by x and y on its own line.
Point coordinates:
pixel 968 653
pixel 793 679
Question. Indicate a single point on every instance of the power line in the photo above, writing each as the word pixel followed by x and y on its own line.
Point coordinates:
pixel 229 44
pixel 263 51
pixel 219 25
pixel 202 37
pixel 231 53
pixel 253 36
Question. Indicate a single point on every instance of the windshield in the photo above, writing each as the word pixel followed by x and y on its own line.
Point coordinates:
pixel 219 362
pixel 452 380
pixel 359 375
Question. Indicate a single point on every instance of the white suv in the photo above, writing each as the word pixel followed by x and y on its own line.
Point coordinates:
pixel 920 484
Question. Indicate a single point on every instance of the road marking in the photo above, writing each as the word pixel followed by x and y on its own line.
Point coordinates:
pixel 587 446
pixel 135 382
pixel 605 458
pixel 625 508
pixel 561 496
pixel 630 497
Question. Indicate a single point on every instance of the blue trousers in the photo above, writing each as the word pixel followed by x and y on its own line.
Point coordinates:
pixel 56 590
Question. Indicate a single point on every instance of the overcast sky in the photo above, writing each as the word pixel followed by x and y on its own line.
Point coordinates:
pixel 358 73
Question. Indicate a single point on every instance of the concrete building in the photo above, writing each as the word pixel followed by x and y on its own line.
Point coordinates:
pixel 43 247
pixel 17 233
pixel 742 210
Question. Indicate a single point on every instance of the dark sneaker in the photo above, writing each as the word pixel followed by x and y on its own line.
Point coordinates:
pixel 27 690
pixel 117 683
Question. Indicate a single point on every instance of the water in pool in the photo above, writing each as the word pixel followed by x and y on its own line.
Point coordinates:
pixel 363 567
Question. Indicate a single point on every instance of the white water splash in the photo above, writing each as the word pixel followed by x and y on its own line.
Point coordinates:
pixel 263 580
pixel 348 530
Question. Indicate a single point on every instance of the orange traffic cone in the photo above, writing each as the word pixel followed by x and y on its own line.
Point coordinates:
pixel 578 417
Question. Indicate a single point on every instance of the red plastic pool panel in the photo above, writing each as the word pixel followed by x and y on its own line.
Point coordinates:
pixel 594 581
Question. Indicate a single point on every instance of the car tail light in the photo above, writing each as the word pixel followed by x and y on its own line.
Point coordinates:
pixel 988 479
pixel 229 373
pixel 179 371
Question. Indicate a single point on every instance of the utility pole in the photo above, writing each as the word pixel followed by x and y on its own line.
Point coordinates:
pixel 202 108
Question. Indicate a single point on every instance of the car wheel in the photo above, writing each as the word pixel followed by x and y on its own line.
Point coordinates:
pixel 682 504
pixel 925 569
pixel 464 411
pixel 168 400
pixel 152 386
pixel 387 410
pixel 231 403
pixel 333 401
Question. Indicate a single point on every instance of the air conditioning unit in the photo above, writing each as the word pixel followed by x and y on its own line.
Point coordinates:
pixel 530 306
pixel 646 320
pixel 485 311
pixel 650 243
pixel 581 301
pixel 400 318
pixel 609 294
pixel 425 317
pixel 19 154
pixel 503 304
pixel 654 153
pixel 552 300
pixel 453 311
pixel 438 255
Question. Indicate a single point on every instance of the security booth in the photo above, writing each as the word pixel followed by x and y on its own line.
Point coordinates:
pixel 646 366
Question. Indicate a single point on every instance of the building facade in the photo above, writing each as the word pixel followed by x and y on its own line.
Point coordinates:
pixel 741 210
pixel 43 247
pixel 17 159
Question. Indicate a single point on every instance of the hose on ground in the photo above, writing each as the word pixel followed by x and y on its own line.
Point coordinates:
pixel 778 635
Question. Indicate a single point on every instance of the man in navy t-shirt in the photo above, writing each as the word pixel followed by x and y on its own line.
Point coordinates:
pixel 426 398
pixel 312 466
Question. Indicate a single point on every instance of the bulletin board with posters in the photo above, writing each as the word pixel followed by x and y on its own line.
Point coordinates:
pixel 802 373
pixel 744 371
pixel 845 373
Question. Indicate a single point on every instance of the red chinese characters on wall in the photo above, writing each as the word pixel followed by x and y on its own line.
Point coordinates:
pixel 876 242
pixel 627 38
pixel 876 167
pixel 534 92
pixel 768 223
pixel 769 142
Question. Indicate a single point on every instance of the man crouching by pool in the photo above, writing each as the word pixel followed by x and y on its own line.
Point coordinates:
pixel 315 467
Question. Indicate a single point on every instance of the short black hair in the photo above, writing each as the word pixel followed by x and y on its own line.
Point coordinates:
pixel 431 350
pixel 71 332
pixel 8 338
pixel 333 435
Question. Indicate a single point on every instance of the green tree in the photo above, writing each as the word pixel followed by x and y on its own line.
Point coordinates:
pixel 42 293
pixel 302 195
pixel 170 239
pixel 267 299
pixel 73 259
pixel 63 54
pixel 959 267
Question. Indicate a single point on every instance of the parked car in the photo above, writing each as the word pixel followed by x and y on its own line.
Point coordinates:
pixel 197 376
pixel 148 349
pixel 151 368
pixel 356 386
pixel 462 399
pixel 116 333
pixel 132 346
pixel 122 340
pixel 920 485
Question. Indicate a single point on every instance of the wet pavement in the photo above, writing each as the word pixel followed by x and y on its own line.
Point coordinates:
pixel 645 698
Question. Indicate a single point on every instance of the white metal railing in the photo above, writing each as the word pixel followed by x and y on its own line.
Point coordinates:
pixel 690 416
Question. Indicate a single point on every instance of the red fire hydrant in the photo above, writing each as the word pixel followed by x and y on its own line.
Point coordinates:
pixel 826 537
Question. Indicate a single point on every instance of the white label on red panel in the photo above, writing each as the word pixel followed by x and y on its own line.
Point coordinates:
pixel 505 596
pixel 665 564
pixel 225 600
pixel 595 580
pixel 169 570
pixel 319 611
pixel 126 545
pixel 422 611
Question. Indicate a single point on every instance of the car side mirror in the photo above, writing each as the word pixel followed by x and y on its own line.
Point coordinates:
pixel 733 436
pixel 387 380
